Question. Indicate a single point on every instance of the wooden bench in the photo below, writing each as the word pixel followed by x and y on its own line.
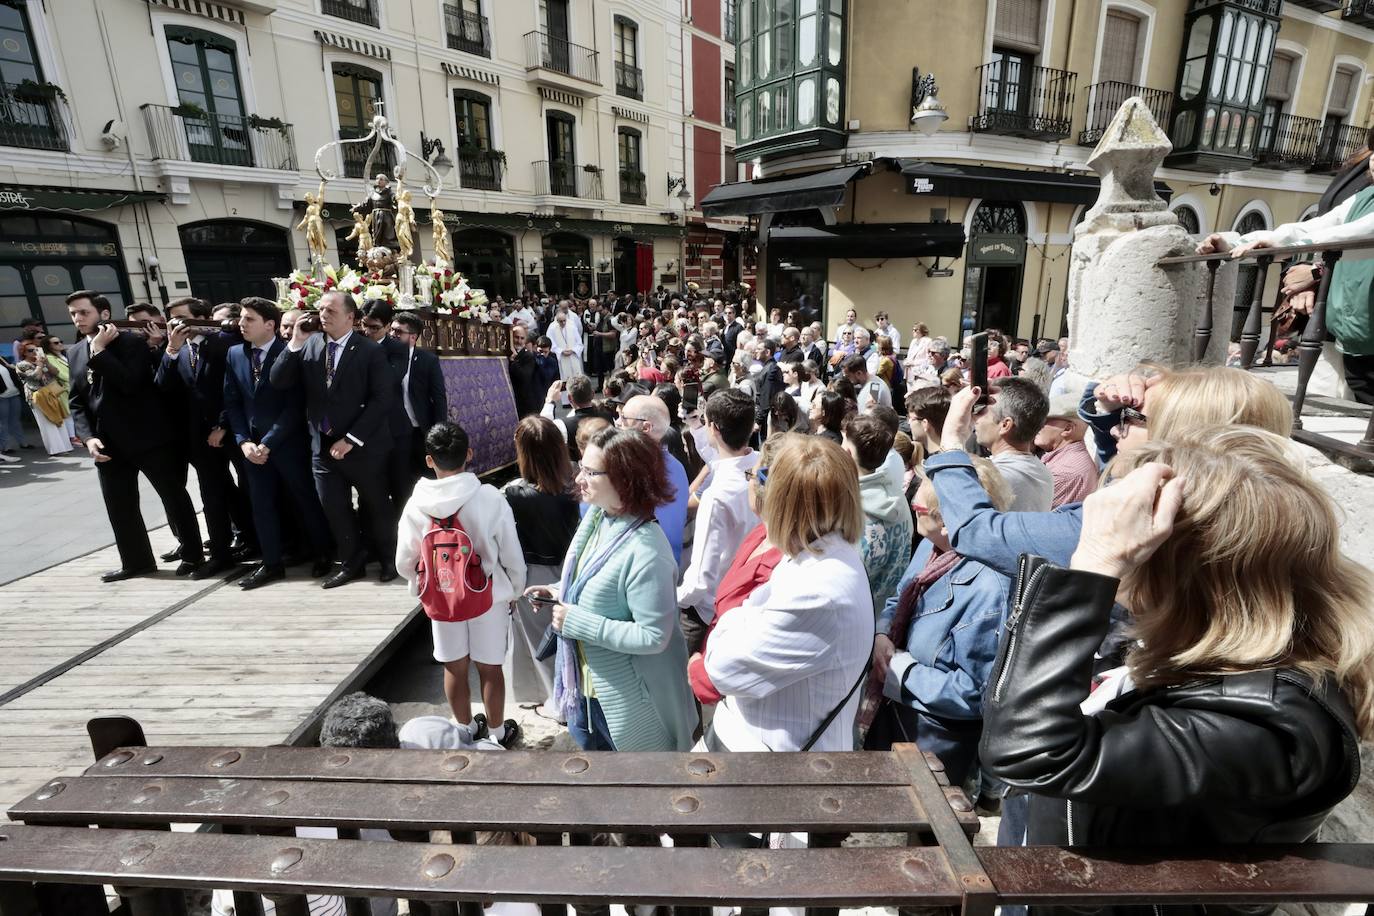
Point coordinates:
pixel 246 803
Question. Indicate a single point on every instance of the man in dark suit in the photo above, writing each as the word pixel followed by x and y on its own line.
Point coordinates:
pixel 524 373
pixel 733 327
pixel 423 394
pixel 268 427
pixel 349 391
pixel 768 382
pixel 118 413
pixel 193 364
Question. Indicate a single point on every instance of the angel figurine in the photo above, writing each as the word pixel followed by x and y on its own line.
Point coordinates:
pixel 443 244
pixel 314 225
pixel 360 232
pixel 405 225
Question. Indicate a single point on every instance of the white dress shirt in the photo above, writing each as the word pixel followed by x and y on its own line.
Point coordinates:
pixel 787 656
pixel 724 518
pixel 405 387
pixel 892 334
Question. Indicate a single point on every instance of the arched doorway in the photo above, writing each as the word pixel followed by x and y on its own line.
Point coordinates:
pixel 45 256
pixel 996 261
pixel 232 258
pixel 1246 276
pixel 567 264
pixel 486 258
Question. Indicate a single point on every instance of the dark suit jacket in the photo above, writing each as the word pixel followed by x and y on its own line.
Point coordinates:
pixel 357 403
pixel 767 383
pixel 114 399
pixel 428 398
pixel 524 383
pixel 204 386
pixel 732 338
pixel 261 412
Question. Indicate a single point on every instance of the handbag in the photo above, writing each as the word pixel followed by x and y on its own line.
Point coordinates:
pixel 48 400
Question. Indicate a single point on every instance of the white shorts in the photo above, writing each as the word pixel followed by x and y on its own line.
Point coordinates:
pixel 483 638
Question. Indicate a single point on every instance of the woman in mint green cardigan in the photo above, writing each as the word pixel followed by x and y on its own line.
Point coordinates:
pixel 622 682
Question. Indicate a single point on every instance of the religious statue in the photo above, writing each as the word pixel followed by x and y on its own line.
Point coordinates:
pixel 405 226
pixel 314 225
pixel 380 208
pixel 361 233
pixel 443 244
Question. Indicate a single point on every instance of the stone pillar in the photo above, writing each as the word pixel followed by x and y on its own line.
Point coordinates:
pixel 1122 308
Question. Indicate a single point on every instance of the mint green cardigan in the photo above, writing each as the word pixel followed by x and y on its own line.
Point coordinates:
pixel 627 622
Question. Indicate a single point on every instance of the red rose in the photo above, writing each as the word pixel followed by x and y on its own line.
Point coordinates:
pixel 448 273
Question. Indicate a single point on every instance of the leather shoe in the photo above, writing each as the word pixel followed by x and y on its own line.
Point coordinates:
pixel 173 554
pixel 186 567
pixel 262 576
pixel 245 553
pixel 119 575
pixel 212 567
pixel 388 574
pixel 320 568
pixel 344 576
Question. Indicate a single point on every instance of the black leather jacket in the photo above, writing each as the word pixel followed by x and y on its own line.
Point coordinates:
pixel 1258 757
pixel 544 523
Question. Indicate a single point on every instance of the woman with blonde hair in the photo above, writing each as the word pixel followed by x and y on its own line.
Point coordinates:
pixel 1253 681
pixel 790 659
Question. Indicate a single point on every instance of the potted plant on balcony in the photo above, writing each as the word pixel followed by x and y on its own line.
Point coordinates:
pixel 258 122
pixel 38 91
pixel 191 110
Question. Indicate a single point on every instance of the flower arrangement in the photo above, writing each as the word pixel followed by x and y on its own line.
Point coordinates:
pixel 453 296
pixel 305 289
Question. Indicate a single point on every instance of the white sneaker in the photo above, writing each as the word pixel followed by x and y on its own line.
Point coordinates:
pixel 8 459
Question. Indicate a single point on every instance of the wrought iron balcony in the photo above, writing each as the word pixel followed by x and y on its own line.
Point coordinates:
pixel 632 187
pixel 1337 145
pixel 1021 101
pixel 563 178
pixel 543 50
pixel 189 134
pixel 31 120
pixel 1321 6
pixel 364 11
pixel 1105 100
pixel 355 155
pixel 1360 12
pixel 629 81
pixel 481 171
pixel 1289 143
pixel 467 31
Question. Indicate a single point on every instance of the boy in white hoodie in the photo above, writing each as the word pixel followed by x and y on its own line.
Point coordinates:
pixel 486 517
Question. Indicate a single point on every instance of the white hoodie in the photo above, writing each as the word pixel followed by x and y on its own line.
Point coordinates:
pixel 485 516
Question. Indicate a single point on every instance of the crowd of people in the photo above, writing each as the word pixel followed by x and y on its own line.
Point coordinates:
pixel 738 532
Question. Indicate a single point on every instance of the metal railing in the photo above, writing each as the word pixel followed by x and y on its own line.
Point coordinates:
pixel 468 32
pixel 355 154
pixel 1313 335
pixel 566 179
pixel 632 188
pixel 1360 12
pixel 1105 100
pixel 1289 143
pixel 1338 144
pixel 544 50
pixel 364 11
pixel 629 81
pixel 30 122
pixel 480 171
pixel 1022 101
pixel 193 135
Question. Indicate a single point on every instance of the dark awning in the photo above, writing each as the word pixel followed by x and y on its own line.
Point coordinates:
pixel 947 179
pixel 776 195
pixel 871 240
pixel 39 197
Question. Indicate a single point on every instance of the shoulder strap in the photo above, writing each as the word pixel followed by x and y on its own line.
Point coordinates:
pixel 825 723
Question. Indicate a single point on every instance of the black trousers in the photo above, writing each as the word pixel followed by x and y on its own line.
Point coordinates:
pixel 282 488
pixel 224 502
pixel 364 470
pixel 400 471
pixel 165 469
pixel 1359 375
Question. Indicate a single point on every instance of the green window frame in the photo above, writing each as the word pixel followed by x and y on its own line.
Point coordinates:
pixel 18 51
pixel 472 113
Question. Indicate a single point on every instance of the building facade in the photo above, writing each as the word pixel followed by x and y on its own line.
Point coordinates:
pixel 158 148
pixel 969 226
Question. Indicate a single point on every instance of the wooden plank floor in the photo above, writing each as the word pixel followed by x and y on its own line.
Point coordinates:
pixel 224 667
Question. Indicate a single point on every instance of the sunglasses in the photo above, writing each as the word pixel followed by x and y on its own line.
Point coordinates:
pixel 758 474
pixel 1131 417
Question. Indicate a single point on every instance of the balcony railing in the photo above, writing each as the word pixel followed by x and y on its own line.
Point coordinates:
pixel 1106 98
pixel 355 154
pixel 467 31
pixel 364 11
pixel 1360 12
pixel 193 135
pixel 1321 6
pixel 629 81
pixel 566 179
pixel 544 50
pixel 1022 101
pixel 1337 145
pixel 30 121
pixel 632 188
pixel 480 171
pixel 1289 143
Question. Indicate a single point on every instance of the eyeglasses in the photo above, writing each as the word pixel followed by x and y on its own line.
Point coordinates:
pixel 1130 417
pixel 592 473
pixel 626 419
pixel 758 474
pixel 372 326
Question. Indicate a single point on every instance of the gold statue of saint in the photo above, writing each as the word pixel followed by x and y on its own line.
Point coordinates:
pixel 361 233
pixel 314 225
pixel 405 225
pixel 443 244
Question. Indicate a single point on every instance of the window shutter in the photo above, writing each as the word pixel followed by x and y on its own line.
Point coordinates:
pixel 1280 78
pixel 1120 48
pixel 1340 92
pixel 1018 24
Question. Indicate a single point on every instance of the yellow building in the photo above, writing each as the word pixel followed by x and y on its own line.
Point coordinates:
pixel 858 204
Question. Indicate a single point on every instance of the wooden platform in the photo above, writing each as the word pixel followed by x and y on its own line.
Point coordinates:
pixel 195 662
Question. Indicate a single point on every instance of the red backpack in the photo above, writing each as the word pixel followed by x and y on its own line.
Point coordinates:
pixel 452 584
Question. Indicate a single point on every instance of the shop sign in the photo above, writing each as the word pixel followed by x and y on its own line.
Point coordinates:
pixel 23 250
pixel 997 249
pixel 921 185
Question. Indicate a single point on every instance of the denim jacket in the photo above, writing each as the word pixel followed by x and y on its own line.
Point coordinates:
pixel 952 642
